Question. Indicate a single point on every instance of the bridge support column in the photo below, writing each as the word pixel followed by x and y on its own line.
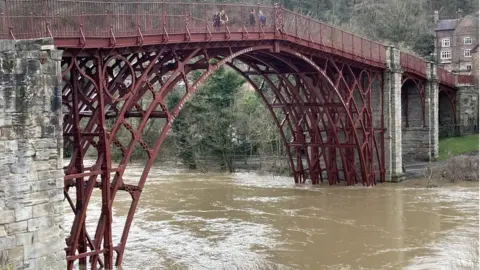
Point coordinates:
pixel 392 88
pixel 467 109
pixel 432 89
pixel 31 149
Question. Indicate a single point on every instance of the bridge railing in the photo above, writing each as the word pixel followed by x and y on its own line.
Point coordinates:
pixel 413 64
pixel 95 19
pixel 465 79
pixel 445 77
pixel 334 38
pixel 21 19
pixel 25 19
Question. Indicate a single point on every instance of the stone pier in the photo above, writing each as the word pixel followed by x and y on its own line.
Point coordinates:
pixel 433 96
pixel 412 130
pixel 415 112
pixel 393 116
pixel 31 150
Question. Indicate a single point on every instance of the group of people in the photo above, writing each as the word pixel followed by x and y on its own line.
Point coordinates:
pixel 261 18
pixel 221 19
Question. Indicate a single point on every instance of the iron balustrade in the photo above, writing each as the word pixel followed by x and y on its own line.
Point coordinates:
pixel 465 79
pixel 445 77
pixel 413 64
pixel 93 20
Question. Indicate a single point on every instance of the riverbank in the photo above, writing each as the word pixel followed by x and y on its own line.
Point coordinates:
pixel 450 147
pixel 457 161
pixel 442 173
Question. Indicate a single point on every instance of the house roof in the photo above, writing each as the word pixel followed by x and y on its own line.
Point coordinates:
pixel 446 25
pixel 475 49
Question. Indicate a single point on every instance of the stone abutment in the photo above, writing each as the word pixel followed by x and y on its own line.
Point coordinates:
pixel 31 147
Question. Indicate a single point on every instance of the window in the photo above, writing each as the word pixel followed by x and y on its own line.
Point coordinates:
pixel 446 42
pixel 469 67
pixel 467 53
pixel 467 40
pixel 446 55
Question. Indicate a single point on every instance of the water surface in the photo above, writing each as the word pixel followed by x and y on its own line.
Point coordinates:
pixel 191 220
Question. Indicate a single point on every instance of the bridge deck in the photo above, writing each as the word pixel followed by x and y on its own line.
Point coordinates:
pixel 103 24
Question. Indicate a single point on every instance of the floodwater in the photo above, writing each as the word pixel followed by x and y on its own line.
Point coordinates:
pixel 246 221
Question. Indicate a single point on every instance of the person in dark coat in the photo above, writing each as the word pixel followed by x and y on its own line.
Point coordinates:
pixel 216 21
pixel 251 18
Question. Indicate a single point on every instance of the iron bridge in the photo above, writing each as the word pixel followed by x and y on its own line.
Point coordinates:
pixel 322 86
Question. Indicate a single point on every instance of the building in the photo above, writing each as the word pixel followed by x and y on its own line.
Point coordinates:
pixel 455 40
pixel 475 65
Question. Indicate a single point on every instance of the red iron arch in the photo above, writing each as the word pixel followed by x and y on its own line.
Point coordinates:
pixel 322 122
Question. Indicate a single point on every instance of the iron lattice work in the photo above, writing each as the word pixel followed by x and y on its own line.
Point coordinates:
pixel 322 108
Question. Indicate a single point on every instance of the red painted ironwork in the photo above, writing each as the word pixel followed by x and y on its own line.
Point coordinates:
pixel 322 107
pixel 101 24
pixel 413 64
pixel 445 77
pixel 123 59
pixel 465 79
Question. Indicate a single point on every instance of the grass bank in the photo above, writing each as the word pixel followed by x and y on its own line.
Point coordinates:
pixel 457 146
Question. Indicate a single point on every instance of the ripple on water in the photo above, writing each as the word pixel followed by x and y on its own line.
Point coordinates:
pixel 227 241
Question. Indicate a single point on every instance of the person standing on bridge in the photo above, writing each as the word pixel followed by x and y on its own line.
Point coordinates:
pixel 262 18
pixel 223 17
pixel 216 21
pixel 251 18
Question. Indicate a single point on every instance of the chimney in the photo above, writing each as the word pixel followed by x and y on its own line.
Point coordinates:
pixel 435 17
pixel 459 14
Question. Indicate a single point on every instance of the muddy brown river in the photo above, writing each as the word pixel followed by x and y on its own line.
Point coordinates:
pixel 195 221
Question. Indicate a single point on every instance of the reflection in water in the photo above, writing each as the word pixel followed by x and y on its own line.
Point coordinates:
pixel 214 221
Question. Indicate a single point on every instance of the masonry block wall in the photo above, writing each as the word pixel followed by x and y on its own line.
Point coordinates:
pixel 467 109
pixel 415 144
pixel 31 175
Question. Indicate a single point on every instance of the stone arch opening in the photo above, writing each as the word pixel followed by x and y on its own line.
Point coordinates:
pixel 413 103
pixel 415 131
pixel 447 115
